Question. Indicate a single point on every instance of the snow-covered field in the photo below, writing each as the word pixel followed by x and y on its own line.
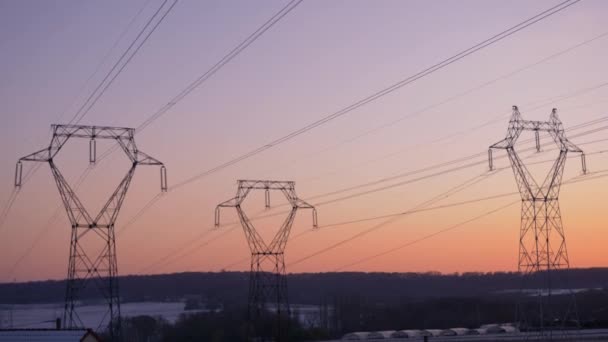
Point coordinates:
pixel 44 315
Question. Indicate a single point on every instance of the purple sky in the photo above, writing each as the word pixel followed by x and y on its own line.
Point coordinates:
pixel 320 58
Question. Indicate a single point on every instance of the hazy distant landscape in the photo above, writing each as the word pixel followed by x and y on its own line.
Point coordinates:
pixel 338 302
pixel 309 288
pixel 43 315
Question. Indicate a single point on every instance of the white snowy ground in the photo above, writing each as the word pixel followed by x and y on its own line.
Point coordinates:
pixel 44 315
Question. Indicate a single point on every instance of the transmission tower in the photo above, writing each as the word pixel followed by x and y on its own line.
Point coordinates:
pixel 267 279
pixel 89 263
pixel 542 242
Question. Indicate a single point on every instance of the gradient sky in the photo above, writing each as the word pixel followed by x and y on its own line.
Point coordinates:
pixel 321 57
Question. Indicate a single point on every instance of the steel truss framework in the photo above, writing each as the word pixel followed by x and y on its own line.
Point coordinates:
pixel 86 266
pixel 542 242
pixel 267 282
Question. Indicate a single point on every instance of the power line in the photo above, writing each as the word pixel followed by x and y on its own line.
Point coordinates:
pixel 49 222
pixel 401 183
pixel 46 229
pixel 8 206
pixel 497 119
pixel 375 227
pixel 164 260
pixel 168 260
pixel 392 218
pixel 105 58
pixel 457 188
pixel 463 54
pixel 191 87
pixel 151 202
pixel 214 69
pixel 185 252
pixel 192 250
pixel 476 200
pixel 225 60
pixel 182 251
pixel 429 236
pixel 490 41
pixel 32 170
pixel 13 197
pixel 422 207
pixel 362 260
pixel 98 67
pixel 200 80
pixel 124 59
pixel 140 213
pixel 458 225
pixel 457 96
pixel 436 166
pixel 237 50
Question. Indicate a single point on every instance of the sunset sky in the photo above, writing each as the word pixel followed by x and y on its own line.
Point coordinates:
pixel 320 58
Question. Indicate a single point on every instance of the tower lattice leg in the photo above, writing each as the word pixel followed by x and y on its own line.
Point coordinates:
pixel 100 272
pixel 543 256
pixel 267 279
pixel 92 257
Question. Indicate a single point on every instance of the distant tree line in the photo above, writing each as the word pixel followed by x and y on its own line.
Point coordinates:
pixel 360 313
pixel 230 324
pixel 308 288
pixel 346 302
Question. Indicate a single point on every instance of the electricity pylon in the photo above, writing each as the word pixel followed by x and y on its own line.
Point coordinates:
pixel 267 279
pixel 542 242
pixel 85 264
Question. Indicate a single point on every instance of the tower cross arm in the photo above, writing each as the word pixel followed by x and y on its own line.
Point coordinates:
pixel 231 203
pixel 143 159
pixel 92 256
pixel 559 136
pixel 516 125
pixel 43 155
pixel 301 204
pixel 567 145
pixel 92 132
pixel 48 153
pixel 503 144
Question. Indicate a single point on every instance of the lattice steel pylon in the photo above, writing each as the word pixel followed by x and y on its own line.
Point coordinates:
pixel 85 265
pixel 267 279
pixel 542 242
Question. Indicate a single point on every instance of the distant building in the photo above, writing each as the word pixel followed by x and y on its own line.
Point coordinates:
pixel 487 329
pixel 48 335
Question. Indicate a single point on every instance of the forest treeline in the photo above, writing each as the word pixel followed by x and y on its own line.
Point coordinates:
pixel 311 288
pixel 359 313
